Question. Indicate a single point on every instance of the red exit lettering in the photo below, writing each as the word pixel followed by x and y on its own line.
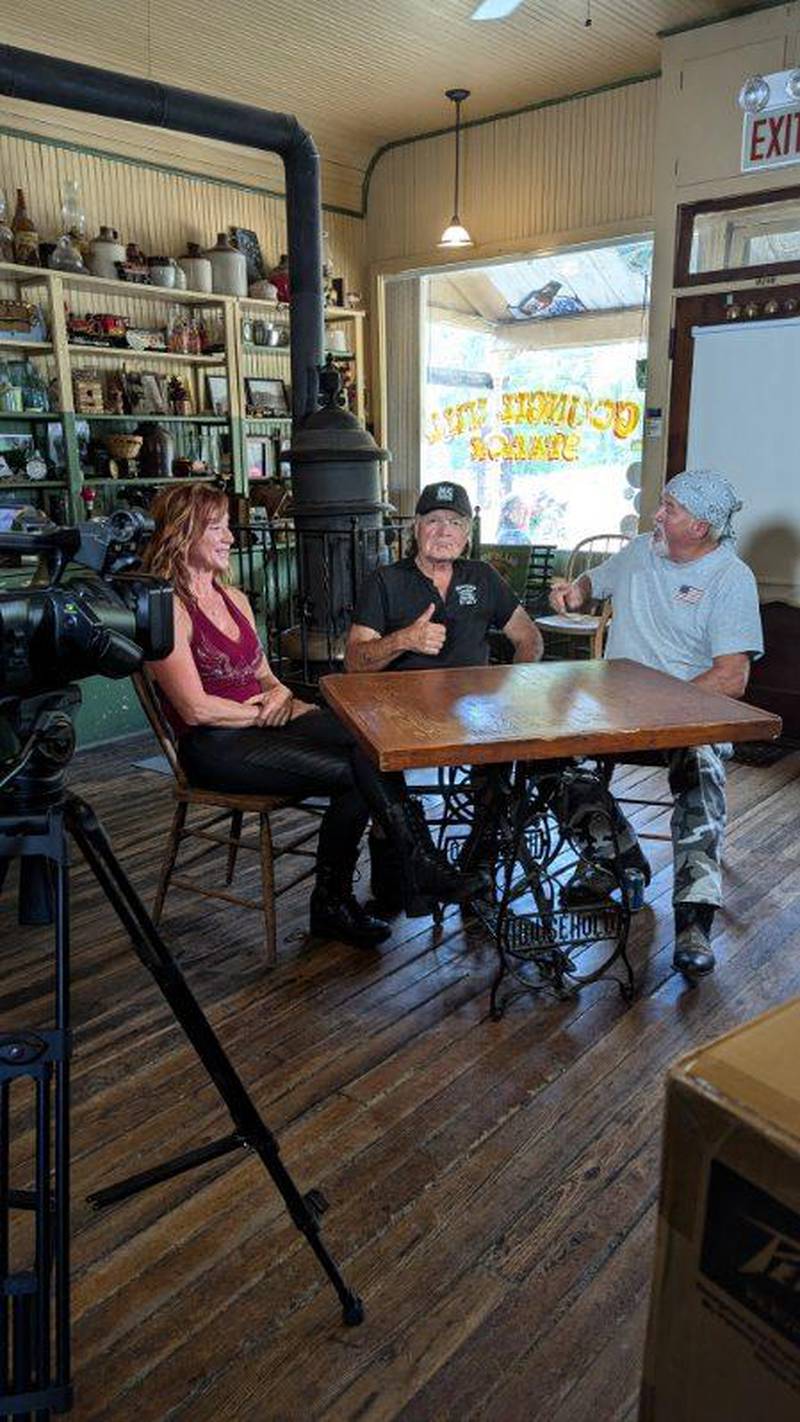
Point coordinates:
pixel 756 138
pixel 774 137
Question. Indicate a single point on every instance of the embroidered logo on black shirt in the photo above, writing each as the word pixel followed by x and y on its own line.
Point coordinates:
pixel 467 595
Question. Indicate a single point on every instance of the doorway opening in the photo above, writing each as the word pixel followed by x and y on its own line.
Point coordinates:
pixel 530 389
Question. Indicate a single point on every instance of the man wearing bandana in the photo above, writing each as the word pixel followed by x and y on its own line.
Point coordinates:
pixel 684 603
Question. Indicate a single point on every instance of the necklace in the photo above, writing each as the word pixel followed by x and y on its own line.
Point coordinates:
pixel 217 611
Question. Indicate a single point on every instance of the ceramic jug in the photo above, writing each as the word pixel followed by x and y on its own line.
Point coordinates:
pixel 105 251
pixel 196 267
pixel 162 271
pixel 228 267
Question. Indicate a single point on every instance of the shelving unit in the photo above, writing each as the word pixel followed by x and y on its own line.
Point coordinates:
pixel 127 353
pixel 274 359
pixel 149 306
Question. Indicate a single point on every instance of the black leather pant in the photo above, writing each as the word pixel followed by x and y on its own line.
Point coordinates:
pixel 311 755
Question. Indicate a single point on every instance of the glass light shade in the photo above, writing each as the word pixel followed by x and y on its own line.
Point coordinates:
pixel 793 84
pixel 73 217
pixel 455 235
pixel 754 94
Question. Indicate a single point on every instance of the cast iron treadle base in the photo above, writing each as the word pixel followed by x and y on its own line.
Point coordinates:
pixel 540 946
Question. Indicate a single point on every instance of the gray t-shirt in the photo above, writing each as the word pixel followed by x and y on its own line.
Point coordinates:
pixel 677 617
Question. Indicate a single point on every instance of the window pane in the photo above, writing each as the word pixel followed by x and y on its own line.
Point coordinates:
pixel 548 443
pixel 746 237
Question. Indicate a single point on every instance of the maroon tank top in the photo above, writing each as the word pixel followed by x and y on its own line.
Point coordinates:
pixel 227 666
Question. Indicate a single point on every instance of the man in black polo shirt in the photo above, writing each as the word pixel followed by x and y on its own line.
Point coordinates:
pixel 434 608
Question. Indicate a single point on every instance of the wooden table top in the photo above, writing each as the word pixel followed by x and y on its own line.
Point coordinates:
pixel 533 711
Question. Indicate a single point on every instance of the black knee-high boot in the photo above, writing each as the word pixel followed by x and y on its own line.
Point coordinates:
pixel 335 911
pixel 428 877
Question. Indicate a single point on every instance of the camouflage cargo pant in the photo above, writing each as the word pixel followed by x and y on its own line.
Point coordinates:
pixel 697 783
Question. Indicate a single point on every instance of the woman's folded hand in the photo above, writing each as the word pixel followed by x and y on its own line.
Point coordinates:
pixel 273 707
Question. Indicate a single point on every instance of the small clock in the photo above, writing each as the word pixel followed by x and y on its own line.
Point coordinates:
pixel 36 468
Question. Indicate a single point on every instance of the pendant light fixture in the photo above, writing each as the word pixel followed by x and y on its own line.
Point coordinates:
pixel 455 234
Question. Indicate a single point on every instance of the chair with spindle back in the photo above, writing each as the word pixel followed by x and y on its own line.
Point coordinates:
pixel 232 808
pixel 589 627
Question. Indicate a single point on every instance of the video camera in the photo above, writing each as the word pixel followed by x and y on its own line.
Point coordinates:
pixel 59 629
pixel 54 631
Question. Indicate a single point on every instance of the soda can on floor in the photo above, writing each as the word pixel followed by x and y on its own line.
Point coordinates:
pixel 634 889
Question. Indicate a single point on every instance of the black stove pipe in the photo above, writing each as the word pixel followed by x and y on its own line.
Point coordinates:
pixel 43 79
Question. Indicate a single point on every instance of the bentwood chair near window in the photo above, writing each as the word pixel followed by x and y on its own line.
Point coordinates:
pixel 232 809
pixel 582 633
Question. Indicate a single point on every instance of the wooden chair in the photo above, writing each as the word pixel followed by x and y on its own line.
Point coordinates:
pixel 589 628
pixel 231 807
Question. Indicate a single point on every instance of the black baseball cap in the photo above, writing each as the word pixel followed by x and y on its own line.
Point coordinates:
pixel 444 496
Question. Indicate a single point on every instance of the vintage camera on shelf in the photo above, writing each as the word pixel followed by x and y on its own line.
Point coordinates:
pixel 66 625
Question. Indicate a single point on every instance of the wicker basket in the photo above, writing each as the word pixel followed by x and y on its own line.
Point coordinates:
pixel 123 446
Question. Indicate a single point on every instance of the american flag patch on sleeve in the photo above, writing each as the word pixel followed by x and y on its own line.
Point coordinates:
pixel 686 593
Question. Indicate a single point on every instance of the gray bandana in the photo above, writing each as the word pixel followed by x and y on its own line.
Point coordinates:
pixel 707 495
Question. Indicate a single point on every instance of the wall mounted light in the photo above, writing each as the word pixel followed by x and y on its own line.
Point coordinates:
pixel 455 234
pixel 754 94
pixel 769 91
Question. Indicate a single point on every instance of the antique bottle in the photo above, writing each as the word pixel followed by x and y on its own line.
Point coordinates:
pixel 157 452
pixel 26 238
pixel 228 267
pixel 6 235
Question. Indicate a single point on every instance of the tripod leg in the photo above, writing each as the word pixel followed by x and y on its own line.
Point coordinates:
pixel 150 948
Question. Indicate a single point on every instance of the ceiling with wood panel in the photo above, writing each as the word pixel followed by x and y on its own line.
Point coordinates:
pixel 362 74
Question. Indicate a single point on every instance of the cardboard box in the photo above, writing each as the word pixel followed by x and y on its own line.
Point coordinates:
pixel 723 1340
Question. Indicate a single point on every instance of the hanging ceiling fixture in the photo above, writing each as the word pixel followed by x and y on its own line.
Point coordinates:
pixel 455 234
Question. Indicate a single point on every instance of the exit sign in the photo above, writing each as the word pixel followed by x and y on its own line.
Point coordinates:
pixel 771 140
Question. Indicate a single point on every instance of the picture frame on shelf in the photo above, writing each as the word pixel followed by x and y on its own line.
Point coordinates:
pixel 154 387
pixel 248 243
pixel 146 393
pixel 217 390
pixel 262 462
pixel 56 445
pixel 15 451
pixel 266 396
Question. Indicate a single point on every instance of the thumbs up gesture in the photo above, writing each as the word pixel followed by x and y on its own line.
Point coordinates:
pixel 424 635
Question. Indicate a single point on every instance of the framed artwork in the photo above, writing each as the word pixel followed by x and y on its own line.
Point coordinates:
pixel 154 390
pixel 261 459
pixel 15 451
pixel 217 387
pixel 265 396
pixel 146 393
pixel 248 243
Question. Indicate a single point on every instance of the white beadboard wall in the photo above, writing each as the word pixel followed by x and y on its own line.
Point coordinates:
pixel 575 167
pixel 160 210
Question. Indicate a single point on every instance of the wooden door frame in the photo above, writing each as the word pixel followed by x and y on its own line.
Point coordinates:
pixel 710 310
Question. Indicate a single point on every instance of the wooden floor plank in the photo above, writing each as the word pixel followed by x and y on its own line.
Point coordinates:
pixel 491 1185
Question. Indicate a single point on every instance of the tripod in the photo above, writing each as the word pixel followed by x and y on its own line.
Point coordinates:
pixel 35 820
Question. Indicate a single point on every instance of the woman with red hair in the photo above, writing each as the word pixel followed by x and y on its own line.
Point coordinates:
pixel 240 729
